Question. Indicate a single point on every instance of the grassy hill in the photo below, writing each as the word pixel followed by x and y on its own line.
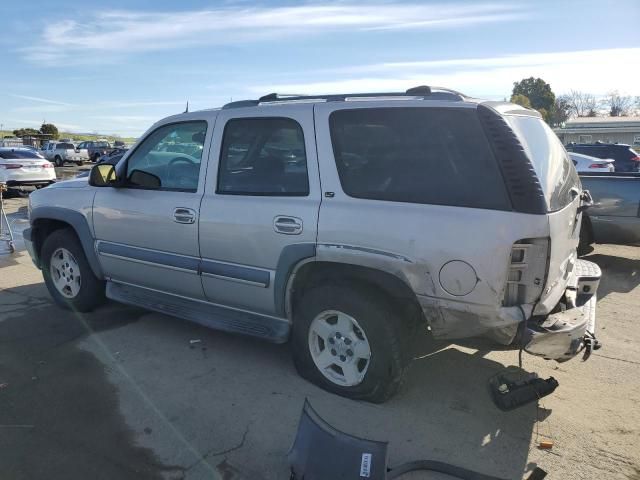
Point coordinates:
pixel 80 137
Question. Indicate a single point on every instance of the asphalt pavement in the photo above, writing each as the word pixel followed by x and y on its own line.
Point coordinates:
pixel 122 393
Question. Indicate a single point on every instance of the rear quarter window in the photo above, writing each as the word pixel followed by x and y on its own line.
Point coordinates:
pixel 556 173
pixel 437 156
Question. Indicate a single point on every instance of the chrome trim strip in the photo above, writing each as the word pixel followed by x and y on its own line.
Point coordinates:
pixel 226 307
pixel 144 262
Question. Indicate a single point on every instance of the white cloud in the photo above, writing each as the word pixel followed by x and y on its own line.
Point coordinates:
pixel 594 71
pixel 87 38
pixel 39 99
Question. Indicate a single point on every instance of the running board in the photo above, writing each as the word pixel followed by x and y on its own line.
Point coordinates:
pixel 210 315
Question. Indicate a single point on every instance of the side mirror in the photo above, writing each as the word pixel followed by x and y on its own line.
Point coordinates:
pixel 102 175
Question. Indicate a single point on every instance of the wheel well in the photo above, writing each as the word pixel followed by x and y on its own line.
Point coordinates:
pixel 587 229
pixel 43 227
pixel 385 284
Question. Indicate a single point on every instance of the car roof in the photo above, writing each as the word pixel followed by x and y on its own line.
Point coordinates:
pixel 589 157
pixel 432 97
pixel 600 145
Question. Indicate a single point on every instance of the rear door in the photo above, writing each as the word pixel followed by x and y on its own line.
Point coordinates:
pixel 259 212
pixel 147 231
pixel 562 189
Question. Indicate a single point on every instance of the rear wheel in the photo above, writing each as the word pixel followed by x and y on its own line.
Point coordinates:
pixel 79 164
pixel 348 341
pixel 96 157
pixel 58 161
pixel 67 273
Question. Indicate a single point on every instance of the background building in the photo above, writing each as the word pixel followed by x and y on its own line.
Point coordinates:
pixel 604 129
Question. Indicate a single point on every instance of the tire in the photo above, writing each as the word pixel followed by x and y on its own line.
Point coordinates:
pixel 58 161
pixel 79 163
pixel 386 335
pixel 96 157
pixel 83 294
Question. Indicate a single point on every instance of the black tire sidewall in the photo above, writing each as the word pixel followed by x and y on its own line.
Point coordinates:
pixel 385 334
pixel 91 288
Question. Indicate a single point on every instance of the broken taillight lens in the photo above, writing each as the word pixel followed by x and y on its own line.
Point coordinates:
pixel 527 271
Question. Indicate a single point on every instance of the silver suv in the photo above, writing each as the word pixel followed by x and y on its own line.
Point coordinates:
pixel 345 223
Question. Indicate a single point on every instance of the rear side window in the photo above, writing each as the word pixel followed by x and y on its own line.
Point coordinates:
pixel 65 146
pixel 418 155
pixel 557 175
pixel 263 156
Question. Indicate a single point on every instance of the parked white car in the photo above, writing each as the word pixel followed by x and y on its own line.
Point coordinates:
pixel 586 163
pixel 23 166
pixel 61 152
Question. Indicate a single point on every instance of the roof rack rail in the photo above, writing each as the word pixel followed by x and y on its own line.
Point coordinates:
pixel 424 91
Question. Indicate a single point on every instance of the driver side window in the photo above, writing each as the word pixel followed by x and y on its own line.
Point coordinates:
pixel 169 158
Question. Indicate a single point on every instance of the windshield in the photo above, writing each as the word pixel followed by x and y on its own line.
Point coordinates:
pixel 555 171
pixel 13 154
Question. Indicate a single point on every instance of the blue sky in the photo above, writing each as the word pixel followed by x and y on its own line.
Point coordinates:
pixel 116 67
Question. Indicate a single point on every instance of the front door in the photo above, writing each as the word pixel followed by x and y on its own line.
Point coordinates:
pixel 259 212
pixel 147 231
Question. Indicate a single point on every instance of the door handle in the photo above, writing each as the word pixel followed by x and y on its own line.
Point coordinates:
pixel 287 225
pixel 184 215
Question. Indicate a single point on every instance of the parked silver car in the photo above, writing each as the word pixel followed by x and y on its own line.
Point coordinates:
pixel 348 224
pixel 62 152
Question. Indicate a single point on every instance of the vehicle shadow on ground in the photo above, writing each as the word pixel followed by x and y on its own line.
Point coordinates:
pixel 229 394
pixel 59 414
pixel 619 274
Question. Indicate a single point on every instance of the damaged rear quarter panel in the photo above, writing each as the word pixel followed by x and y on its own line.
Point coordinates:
pixel 415 241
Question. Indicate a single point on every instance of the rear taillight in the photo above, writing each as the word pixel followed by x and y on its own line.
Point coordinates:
pixel 599 165
pixel 527 271
pixel 635 159
pixel 11 166
pixel 47 165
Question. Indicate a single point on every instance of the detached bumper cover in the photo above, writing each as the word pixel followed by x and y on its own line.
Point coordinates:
pixel 562 335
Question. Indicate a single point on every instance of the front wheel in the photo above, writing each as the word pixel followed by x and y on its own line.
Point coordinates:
pixel 67 273
pixel 348 341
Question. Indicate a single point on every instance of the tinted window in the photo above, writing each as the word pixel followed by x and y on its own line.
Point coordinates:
pixel 102 144
pixel 556 173
pixel 19 154
pixel 65 146
pixel 263 156
pixel 161 155
pixel 419 155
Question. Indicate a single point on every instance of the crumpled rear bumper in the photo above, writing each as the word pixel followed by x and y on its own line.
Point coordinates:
pixel 562 335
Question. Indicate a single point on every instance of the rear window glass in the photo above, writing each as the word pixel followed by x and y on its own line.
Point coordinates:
pixel 66 146
pixel 555 171
pixel 418 155
pixel 19 154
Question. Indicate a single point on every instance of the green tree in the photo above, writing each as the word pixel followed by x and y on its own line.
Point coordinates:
pixel 51 129
pixel 560 112
pixel 23 132
pixel 539 94
pixel 521 100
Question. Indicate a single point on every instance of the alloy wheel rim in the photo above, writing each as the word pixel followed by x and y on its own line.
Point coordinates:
pixel 339 348
pixel 65 273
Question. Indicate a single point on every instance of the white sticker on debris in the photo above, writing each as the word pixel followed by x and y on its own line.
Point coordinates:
pixel 365 465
